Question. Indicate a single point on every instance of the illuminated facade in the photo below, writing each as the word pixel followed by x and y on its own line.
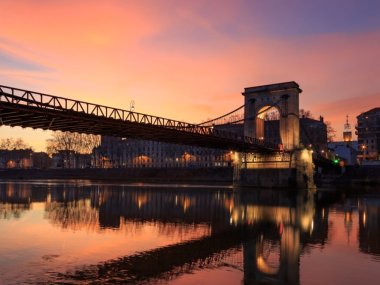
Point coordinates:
pixel 17 158
pixel 133 153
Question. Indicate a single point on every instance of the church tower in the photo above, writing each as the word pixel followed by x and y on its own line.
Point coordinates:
pixel 347 133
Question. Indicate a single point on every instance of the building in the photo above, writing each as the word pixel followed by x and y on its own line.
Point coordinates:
pixel 347 133
pixel 131 153
pixel 70 159
pixel 346 150
pixel 313 132
pixel 16 158
pixel 368 132
pixel 41 160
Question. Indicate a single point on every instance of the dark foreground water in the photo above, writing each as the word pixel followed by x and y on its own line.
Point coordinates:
pixel 81 233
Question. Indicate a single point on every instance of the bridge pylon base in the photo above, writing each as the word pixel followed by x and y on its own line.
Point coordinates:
pixel 293 170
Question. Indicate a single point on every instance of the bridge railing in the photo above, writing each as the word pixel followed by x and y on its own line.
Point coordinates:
pixel 45 101
pixel 49 102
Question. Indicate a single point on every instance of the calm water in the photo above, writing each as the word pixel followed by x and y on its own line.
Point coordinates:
pixel 81 233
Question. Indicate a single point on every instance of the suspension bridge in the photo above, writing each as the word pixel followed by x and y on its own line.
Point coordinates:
pixel 24 108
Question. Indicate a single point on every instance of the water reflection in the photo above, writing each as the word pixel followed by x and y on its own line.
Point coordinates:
pixel 14 200
pixel 369 225
pixel 263 233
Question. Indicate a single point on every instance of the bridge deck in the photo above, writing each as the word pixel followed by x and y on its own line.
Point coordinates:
pixel 41 111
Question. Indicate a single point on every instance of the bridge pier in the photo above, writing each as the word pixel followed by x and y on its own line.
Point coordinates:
pixel 293 166
pixel 278 170
pixel 258 271
pixel 272 254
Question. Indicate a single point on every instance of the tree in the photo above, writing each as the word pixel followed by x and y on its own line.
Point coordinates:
pixel 12 144
pixel 272 114
pixel 71 144
pixel 305 114
pixel 331 132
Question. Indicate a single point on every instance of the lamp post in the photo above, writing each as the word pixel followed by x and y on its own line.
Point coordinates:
pixel 363 147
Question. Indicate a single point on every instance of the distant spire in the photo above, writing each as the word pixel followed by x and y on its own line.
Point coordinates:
pixel 347 126
pixel 347 134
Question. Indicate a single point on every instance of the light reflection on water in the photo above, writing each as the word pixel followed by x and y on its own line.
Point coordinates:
pixel 81 232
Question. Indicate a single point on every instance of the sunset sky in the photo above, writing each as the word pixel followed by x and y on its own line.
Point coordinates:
pixel 190 60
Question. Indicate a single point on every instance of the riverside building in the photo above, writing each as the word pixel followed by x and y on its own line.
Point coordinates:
pixel 368 132
pixel 133 153
pixel 116 152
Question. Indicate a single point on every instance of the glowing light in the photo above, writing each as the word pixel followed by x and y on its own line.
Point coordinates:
pixel 186 204
pixel 48 198
pixel 264 267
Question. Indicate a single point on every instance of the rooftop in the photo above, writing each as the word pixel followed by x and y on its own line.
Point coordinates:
pixel 370 112
pixel 273 87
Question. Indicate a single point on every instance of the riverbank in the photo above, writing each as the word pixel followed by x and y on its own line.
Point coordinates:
pixel 351 176
pixel 220 176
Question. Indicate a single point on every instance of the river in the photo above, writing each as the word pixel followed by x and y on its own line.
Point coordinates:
pixel 78 232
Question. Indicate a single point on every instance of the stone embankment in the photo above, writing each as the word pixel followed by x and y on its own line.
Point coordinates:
pixel 353 175
pixel 220 176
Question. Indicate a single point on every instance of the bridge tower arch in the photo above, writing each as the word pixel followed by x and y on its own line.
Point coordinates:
pixel 282 96
pixel 292 166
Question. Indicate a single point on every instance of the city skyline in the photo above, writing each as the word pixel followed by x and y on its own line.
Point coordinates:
pixel 191 61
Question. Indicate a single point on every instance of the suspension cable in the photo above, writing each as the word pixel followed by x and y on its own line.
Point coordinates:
pixel 241 120
pixel 225 115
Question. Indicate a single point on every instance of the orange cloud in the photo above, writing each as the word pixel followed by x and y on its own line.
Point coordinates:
pixel 336 111
pixel 179 64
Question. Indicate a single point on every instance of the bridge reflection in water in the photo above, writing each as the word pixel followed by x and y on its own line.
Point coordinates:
pixel 261 233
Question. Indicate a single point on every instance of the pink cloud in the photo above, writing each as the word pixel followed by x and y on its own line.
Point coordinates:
pixel 112 54
pixel 336 111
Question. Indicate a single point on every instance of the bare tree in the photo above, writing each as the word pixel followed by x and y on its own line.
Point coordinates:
pixel 11 144
pixel 71 144
pixel 331 132
pixel 305 114
pixel 272 115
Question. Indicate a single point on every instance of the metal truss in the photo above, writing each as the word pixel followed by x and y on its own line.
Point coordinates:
pixel 25 108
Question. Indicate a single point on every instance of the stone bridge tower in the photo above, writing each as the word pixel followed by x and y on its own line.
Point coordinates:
pixel 282 96
pixel 292 166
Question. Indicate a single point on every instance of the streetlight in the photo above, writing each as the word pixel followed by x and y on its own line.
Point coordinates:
pixel 363 147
